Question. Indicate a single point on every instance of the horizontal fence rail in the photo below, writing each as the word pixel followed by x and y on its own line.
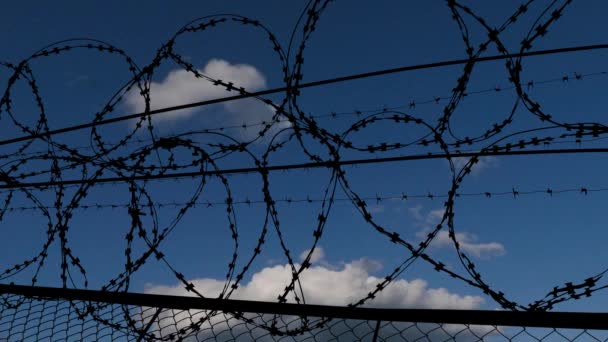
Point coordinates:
pixel 376 320
pixel 567 320
pixel 162 179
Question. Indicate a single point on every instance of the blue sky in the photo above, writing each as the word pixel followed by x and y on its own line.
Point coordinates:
pixel 523 246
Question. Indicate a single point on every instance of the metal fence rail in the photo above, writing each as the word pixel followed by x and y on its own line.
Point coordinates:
pixel 54 314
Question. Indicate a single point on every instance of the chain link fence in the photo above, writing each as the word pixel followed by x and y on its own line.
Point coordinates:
pixel 51 314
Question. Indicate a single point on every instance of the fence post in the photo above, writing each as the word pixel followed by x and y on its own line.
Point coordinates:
pixel 375 338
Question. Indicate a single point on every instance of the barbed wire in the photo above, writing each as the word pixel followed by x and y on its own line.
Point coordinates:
pixel 133 160
pixel 564 79
pixel 514 192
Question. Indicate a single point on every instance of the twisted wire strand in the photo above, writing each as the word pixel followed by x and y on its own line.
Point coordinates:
pixel 133 162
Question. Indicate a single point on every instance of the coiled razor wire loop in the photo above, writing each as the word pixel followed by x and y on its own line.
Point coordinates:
pixel 134 160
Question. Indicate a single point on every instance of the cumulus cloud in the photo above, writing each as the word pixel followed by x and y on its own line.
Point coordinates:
pixel 321 285
pixel 317 255
pixel 181 86
pixel 334 286
pixel 468 242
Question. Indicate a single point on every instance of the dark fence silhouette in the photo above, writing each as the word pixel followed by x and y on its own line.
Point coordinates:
pixel 39 313
pixel 55 179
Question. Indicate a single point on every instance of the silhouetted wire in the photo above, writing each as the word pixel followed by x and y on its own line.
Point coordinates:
pixel 302 86
pixel 134 162
pixel 310 165
pixel 333 115
pixel 378 198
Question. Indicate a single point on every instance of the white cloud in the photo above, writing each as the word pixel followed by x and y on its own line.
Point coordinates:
pixel 321 285
pixel 482 163
pixel 416 212
pixel 468 242
pixel 435 216
pixel 181 86
pixel 317 255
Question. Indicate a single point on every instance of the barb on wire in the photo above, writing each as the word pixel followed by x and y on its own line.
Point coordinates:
pixel 68 173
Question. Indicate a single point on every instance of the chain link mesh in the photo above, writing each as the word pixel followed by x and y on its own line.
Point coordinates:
pixel 53 319
pixel 60 188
